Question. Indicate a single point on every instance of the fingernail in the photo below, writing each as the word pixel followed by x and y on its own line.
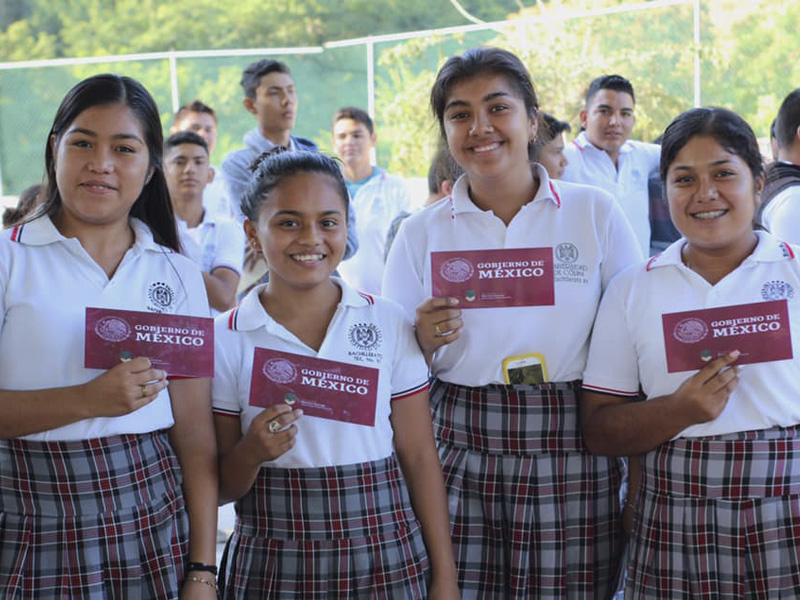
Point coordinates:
pixel 734 354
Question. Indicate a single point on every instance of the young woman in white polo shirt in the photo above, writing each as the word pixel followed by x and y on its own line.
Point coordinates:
pixel 533 514
pixel 91 463
pixel 716 513
pixel 322 505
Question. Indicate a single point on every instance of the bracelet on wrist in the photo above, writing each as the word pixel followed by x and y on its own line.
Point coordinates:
pixel 198 566
pixel 207 582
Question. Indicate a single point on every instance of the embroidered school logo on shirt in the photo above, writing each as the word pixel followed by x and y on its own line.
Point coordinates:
pixel 365 335
pixel 280 370
pixel 566 252
pixel 161 296
pixel 112 329
pixel 777 290
pixel 567 267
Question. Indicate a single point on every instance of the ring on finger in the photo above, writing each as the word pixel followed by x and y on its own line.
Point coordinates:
pixel 438 331
pixel 144 390
pixel 274 426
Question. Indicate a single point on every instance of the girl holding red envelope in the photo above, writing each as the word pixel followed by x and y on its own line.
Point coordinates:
pixel 108 482
pixel 717 511
pixel 533 514
pixel 335 497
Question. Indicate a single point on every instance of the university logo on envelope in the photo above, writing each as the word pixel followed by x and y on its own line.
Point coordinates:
pixel 321 388
pixel 495 278
pixel 182 346
pixel 760 331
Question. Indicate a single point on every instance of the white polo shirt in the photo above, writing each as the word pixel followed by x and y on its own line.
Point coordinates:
pixel 216 242
pixel 47 281
pixel 781 216
pixel 628 341
pixel 376 204
pixel 627 182
pixel 322 442
pixel 591 241
pixel 215 197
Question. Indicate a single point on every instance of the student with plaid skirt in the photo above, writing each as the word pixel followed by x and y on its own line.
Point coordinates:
pixel 108 480
pixel 717 510
pixel 533 514
pixel 327 506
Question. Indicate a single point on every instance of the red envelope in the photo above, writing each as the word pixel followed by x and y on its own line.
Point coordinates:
pixel 321 388
pixel 180 345
pixel 760 331
pixel 495 278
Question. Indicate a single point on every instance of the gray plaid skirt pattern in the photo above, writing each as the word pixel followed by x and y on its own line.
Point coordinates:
pixel 332 532
pixel 533 513
pixel 719 517
pixel 98 519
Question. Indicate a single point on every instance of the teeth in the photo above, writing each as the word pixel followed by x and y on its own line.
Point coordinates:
pixel 307 257
pixel 487 148
pixel 713 214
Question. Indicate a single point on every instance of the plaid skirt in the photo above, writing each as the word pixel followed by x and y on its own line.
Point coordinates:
pixel 533 513
pixel 719 517
pixel 332 532
pixel 94 519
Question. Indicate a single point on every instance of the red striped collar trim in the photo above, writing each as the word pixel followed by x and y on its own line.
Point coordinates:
pixel 370 300
pixel 651 261
pixel 577 145
pixel 232 319
pixel 787 250
pixel 555 194
pixel 16 233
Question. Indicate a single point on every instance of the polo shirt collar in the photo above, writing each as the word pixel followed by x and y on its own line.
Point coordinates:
pixel 768 249
pixel 250 314
pixel 41 232
pixel 582 142
pixel 460 202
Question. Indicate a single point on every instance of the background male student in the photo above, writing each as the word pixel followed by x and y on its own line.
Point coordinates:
pixel 202 120
pixel 375 196
pixel 602 155
pixel 270 96
pixel 780 200
pixel 215 243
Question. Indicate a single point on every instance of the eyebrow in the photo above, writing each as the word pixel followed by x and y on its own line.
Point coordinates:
pixel 297 213
pixel 716 163
pixel 116 136
pixel 488 97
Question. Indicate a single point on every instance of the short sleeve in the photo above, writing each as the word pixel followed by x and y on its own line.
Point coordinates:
pixel 227 362
pixel 782 216
pixel 409 370
pixel 195 303
pixel 230 246
pixel 402 277
pixel 612 366
pixel 621 247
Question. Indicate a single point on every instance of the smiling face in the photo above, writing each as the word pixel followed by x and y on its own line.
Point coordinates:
pixel 609 120
pixel 488 129
pixel 301 230
pixel 275 104
pixel 352 143
pixel 712 196
pixel 101 165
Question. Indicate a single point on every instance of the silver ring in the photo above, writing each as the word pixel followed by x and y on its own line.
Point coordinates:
pixel 438 331
pixel 144 390
pixel 274 426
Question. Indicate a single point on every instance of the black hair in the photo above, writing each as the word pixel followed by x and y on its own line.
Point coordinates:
pixel 615 83
pixel 443 168
pixel 27 202
pixel 549 129
pixel 356 114
pixel 153 206
pixel 729 130
pixel 276 165
pixel 480 61
pixel 251 77
pixel 185 137
pixel 788 120
pixel 195 106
